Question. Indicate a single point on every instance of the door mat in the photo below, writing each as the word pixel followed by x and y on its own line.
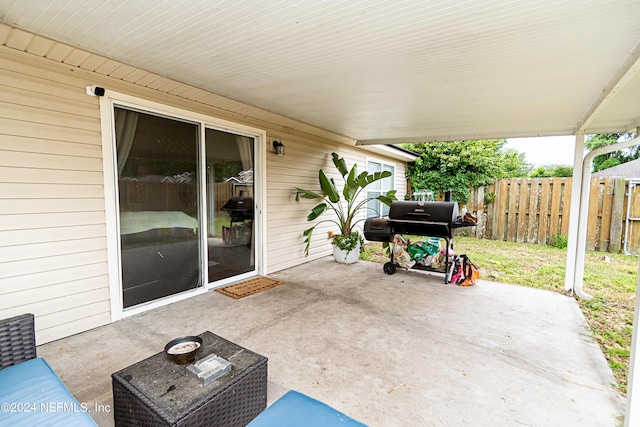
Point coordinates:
pixel 249 287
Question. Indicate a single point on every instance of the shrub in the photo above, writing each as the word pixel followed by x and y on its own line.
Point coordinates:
pixel 558 241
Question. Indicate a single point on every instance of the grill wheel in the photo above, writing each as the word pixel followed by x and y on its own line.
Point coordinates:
pixel 389 268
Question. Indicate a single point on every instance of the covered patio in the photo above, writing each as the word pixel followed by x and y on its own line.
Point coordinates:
pixel 315 76
pixel 395 350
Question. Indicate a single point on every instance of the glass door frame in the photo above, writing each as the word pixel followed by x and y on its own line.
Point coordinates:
pixel 107 121
pixel 257 191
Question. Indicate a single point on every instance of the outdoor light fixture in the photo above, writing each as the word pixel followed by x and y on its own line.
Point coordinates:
pixel 278 148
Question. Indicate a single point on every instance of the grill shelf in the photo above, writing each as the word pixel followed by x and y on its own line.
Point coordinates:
pixel 429 219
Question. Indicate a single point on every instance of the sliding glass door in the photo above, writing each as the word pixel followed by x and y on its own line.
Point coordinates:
pixel 157 161
pixel 186 205
pixel 230 204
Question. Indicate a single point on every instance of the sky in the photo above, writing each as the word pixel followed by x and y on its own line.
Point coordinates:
pixel 549 150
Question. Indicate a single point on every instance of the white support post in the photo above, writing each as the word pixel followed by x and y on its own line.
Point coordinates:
pixel 583 218
pixel 632 416
pixel 581 239
pixel 574 210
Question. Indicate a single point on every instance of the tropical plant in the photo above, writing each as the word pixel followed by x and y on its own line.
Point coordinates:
pixel 346 211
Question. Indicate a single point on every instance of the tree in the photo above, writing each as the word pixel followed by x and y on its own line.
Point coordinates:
pixel 513 164
pixel 552 171
pixel 560 171
pixel 605 161
pixel 458 165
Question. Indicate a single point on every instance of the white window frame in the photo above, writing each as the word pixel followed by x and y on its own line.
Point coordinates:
pixel 382 164
pixel 107 103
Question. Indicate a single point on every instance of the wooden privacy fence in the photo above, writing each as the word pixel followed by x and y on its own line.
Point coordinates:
pixel 535 210
pixel 137 195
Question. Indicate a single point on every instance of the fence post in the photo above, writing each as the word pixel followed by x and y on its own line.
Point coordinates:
pixel 617 215
pixel 489 210
pixel 566 206
pixel 556 201
pixel 534 209
pixel 480 214
pixel 499 207
pixel 593 213
pixel 543 208
pixel 606 196
pixel 523 210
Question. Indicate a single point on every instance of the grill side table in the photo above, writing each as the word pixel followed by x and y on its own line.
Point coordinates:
pixel 157 392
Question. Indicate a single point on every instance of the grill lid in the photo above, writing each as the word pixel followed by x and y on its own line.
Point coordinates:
pixel 239 208
pixel 238 204
pixel 427 212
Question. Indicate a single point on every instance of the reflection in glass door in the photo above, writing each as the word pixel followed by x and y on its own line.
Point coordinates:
pixel 230 204
pixel 157 162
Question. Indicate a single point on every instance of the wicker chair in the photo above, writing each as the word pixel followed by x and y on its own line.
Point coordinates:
pixel 28 380
pixel 17 340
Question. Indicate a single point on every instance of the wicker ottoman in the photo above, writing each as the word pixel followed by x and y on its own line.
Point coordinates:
pixel 157 392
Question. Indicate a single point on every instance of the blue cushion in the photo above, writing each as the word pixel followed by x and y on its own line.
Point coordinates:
pixel 32 394
pixel 298 410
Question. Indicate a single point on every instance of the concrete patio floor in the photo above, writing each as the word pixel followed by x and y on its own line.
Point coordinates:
pixel 401 350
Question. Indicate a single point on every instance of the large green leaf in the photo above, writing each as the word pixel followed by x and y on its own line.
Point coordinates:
pixel 340 163
pixel 316 211
pixel 307 194
pixel 388 198
pixel 307 239
pixel 376 176
pixel 328 187
pixel 351 184
pixel 373 177
pixel 362 179
pixel 353 173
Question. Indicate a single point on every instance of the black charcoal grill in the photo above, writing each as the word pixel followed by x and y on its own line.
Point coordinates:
pixel 430 219
pixel 239 208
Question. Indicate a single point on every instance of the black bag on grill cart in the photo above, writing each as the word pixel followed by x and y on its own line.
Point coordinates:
pixel 463 271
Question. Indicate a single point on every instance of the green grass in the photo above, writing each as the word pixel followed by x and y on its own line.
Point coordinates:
pixel 610 278
pixel 221 219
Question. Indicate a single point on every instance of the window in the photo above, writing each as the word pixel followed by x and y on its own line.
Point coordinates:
pixel 375 208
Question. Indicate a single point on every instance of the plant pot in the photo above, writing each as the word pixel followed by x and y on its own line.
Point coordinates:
pixel 346 257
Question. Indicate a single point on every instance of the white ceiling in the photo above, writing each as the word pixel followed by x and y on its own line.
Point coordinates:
pixel 379 71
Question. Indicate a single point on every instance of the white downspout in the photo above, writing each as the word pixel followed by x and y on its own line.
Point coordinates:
pixel 632 416
pixel 574 210
pixel 584 210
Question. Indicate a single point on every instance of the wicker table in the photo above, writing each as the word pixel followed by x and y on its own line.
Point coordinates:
pixel 158 392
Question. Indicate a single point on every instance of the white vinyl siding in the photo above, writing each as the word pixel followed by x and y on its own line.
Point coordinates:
pixel 286 218
pixel 53 232
pixel 52 222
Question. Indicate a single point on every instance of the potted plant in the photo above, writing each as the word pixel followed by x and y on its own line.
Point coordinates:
pixel 346 207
